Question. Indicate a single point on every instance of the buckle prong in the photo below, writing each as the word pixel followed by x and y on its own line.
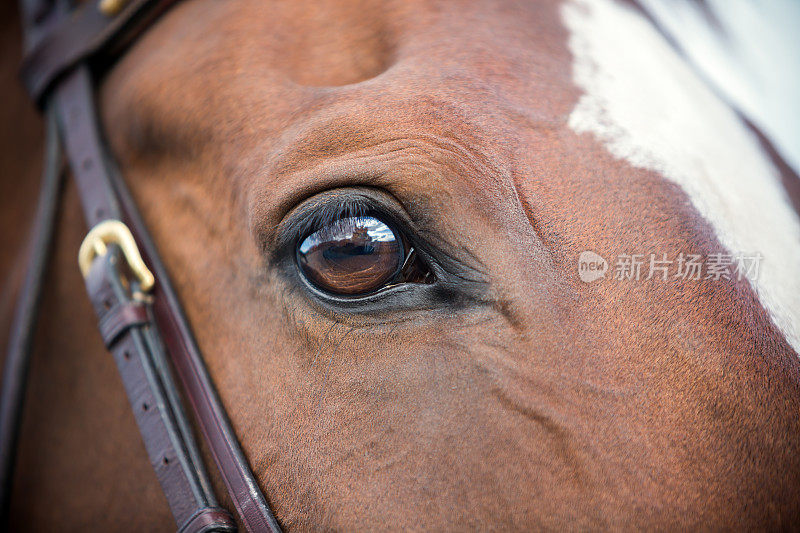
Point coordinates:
pixel 111 231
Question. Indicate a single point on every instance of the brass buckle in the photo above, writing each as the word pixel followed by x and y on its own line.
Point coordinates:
pixel 108 232
pixel 110 8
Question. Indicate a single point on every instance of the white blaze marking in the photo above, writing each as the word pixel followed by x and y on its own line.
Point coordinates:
pixel 649 108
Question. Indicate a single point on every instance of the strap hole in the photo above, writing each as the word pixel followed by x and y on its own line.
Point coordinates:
pixel 126 355
pixel 107 304
pixel 87 164
pixel 165 460
pixel 145 407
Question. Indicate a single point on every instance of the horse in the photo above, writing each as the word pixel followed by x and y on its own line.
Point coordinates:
pixel 530 370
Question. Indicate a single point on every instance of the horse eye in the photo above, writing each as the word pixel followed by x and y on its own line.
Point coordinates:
pixel 352 256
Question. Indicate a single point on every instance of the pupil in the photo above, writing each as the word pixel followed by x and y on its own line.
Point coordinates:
pixel 354 255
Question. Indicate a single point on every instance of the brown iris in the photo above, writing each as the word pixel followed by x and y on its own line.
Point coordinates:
pixel 351 256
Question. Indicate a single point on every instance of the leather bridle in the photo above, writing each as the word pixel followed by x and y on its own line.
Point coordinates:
pixel 138 313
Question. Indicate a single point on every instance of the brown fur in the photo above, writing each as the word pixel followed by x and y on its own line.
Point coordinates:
pixel 540 402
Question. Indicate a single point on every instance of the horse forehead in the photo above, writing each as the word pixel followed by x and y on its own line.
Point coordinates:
pixel 241 65
pixel 341 43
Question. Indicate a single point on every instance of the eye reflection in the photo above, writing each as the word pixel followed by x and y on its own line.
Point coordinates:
pixel 351 256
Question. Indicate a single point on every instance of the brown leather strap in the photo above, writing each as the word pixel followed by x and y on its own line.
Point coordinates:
pixel 132 339
pixel 57 69
pixel 74 103
pixel 15 366
pixel 204 521
pixel 102 193
pixel 251 506
pixel 120 318
pixel 85 34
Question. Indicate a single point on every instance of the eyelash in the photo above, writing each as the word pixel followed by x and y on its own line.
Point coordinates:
pixel 330 212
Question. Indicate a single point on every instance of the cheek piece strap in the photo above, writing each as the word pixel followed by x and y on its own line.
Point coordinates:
pixel 138 313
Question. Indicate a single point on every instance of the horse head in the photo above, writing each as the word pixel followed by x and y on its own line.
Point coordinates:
pixel 436 256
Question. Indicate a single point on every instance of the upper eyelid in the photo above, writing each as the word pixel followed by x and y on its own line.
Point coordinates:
pixel 315 212
pixel 314 219
pixel 273 197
